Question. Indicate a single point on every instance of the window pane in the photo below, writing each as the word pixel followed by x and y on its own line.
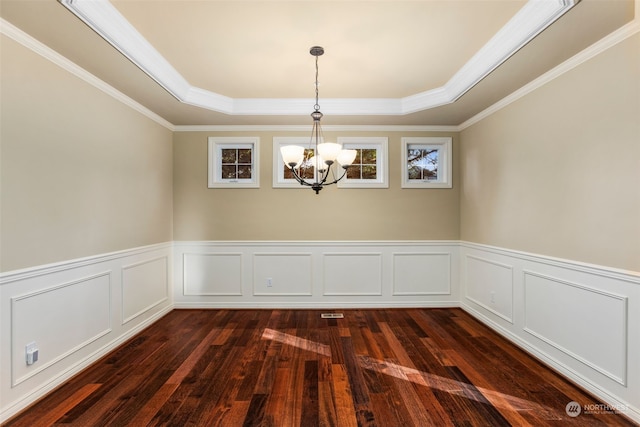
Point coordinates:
pixel 369 172
pixel 430 165
pixel 244 155
pixel 287 172
pixel 307 173
pixel 244 171
pixel 414 172
pixel 229 172
pixel 422 163
pixel 354 172
pixel 369 156
pixel 228 155
pixel 358 159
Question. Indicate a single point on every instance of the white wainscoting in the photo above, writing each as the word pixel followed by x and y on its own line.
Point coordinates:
pixel 582 320
pixel 317 274
pixel 75 312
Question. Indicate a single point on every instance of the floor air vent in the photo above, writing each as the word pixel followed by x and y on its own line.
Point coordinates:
pixel 332 316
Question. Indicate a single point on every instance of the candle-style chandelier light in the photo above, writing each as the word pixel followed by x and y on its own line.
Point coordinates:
pixel 321 156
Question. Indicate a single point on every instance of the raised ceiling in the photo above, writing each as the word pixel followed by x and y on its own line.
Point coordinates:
pixel 386 62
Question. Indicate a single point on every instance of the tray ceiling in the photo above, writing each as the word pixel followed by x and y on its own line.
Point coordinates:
pixel 433 62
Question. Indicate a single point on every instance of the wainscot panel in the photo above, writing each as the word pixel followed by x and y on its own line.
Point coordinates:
pixel 42 315
pixel 144 285
pixel 584 313
pixel 312 274
pixel 212 274
pixel 582 320
pixel 282 274
pixel 490 285
pixel 422 273
pixel 352 274
pixel 75 312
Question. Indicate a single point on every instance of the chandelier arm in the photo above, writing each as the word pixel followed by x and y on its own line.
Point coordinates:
pixel 325 175
pixel 336 180
pixel 300 179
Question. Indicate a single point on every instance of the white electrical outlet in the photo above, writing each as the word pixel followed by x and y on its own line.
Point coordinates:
pixel 31 351
pixel 493 297
pixel 269 282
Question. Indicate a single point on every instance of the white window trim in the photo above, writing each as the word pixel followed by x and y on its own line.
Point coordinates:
pixel 444 162
pixel 381 144
pixel 279 181
pixel 216 144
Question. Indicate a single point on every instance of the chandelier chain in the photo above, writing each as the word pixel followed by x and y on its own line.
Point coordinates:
pixel 317 106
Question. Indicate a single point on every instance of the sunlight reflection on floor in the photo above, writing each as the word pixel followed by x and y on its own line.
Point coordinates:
pixel 292 340
pixel 469 391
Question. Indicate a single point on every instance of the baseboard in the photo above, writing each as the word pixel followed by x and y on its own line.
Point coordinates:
pixel 313 306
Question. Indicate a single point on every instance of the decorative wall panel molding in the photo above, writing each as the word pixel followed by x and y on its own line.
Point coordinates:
pixel 282 274
pixel 212 273
pixel 309 274
pixel 352 274
pixel 40 316
pixel 581 319
pixel 145 285
pixel 597 338
pixel 490 285
pixel 75 312
pixel 422 273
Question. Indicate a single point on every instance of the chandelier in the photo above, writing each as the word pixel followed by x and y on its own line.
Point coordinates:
pixel 321 157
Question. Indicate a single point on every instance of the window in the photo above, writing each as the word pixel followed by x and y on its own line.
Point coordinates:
pixel 426 162
pixel 370 168
pixel 233 162
pixel 282 175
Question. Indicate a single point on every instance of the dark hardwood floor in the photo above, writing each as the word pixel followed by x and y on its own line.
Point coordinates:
pixel 395 367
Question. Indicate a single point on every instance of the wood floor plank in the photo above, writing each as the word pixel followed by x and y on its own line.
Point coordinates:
pixel 326 407
pixel 310 410
pixel 286 368
pixel 343 401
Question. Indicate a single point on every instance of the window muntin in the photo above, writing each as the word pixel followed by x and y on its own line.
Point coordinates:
pixel 370 168
pixel 233 162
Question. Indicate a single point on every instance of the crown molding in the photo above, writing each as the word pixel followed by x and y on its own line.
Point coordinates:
pixel 34 45
pixel 595 49
pixel 307 128
pixel 104 19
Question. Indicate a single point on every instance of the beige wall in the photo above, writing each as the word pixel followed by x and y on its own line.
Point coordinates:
pixel 558 172
pixel 81 173
pixel 266 213
pixel 555 173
